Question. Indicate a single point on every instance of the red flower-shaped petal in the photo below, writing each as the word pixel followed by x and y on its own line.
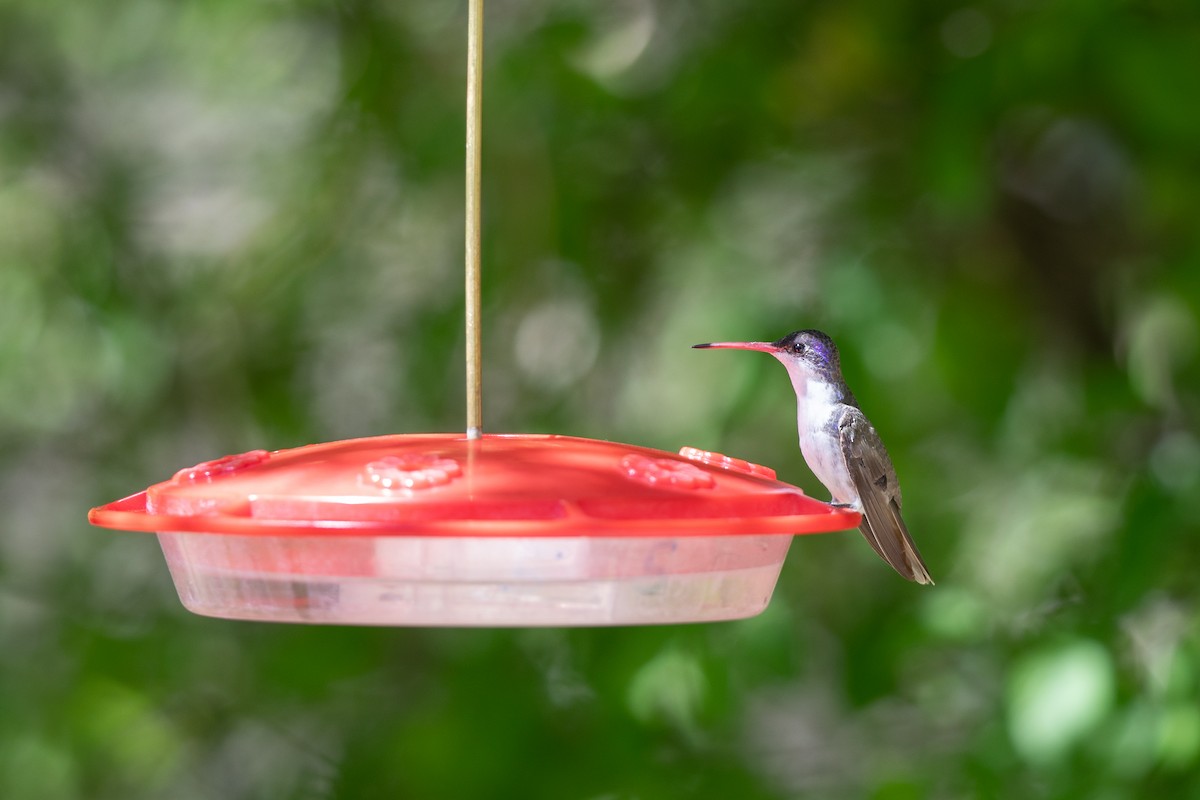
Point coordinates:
pixel 410 472
pixel 666 472
pixel 226 465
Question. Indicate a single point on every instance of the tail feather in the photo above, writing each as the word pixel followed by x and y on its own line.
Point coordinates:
pixel 888 536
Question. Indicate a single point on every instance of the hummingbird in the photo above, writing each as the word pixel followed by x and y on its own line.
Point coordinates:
pixel 840 445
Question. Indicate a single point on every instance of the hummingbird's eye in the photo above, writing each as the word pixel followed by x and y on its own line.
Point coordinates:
pixel 798 348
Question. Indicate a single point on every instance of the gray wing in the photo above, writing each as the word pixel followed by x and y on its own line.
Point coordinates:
pixel 879 493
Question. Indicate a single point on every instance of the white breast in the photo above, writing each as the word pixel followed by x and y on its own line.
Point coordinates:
pixel 816 420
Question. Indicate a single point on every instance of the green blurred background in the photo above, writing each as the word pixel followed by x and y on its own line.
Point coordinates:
pixel 229 225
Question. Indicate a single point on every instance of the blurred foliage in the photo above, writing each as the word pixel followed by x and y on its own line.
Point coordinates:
pixel 229 225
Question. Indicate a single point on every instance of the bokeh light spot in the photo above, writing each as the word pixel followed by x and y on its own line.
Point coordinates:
pixel 1056 696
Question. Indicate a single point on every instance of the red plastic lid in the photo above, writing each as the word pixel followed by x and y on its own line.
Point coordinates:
pixel 499 485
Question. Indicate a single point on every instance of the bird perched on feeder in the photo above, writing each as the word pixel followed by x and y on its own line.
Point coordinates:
pixel 841 446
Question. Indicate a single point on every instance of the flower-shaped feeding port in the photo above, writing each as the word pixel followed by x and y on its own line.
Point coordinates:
pixel 225 465
pixel 666 472
pixel 500 530
pixel 412 472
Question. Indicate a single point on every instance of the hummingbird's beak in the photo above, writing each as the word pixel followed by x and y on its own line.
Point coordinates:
pixel 762 347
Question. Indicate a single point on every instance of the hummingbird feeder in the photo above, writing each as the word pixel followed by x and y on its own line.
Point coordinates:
pixel 474 529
